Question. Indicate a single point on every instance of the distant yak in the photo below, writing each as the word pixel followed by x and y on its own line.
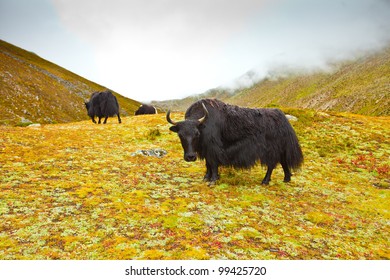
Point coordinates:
pixel 227 135
pixel 145 109
pixel 103 104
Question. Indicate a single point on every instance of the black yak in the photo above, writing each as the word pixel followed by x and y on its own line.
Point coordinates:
pixel 103 104
pixel 227 135
pixel 146 109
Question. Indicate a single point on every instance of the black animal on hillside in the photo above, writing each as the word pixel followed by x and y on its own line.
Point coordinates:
pixel 146 109
pixel 227 135
pixel 103 104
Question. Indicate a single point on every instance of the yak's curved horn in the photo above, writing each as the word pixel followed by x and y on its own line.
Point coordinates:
pixel 206 114
pixel 169 118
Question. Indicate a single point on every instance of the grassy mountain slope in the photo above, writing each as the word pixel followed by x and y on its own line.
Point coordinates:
pixel 75 191
pixel 40 91
pixel 360 86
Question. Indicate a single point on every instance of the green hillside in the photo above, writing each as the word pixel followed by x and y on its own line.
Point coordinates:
pixel 34 89
pixel 359 86
pixel 76 191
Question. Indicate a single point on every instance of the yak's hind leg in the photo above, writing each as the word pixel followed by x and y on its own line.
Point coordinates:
pixel 100 120
pixel 267 177
pixel 105 120
pixel 287 172
pixel 119 119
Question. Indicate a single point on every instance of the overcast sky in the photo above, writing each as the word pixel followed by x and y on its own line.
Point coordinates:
pixel 164 49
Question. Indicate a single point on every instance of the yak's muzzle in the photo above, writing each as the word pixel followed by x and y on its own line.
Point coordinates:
pixel 190 157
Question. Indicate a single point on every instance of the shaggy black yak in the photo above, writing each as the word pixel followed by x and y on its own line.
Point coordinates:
pixel 227 135
pixel 145 109
pixel 103 104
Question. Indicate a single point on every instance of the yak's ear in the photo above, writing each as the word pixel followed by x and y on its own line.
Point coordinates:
pixel 174 128
pixel 201 126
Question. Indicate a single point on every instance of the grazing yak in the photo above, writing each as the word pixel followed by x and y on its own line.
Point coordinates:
pixel 103 104
pixel 146 109
pixel 227 135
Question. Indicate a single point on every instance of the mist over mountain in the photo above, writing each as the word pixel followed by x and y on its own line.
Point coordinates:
pixel 360 85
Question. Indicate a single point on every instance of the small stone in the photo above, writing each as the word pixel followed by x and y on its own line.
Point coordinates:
pixel 35 125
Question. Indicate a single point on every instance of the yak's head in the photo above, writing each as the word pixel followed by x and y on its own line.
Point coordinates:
pixel 87 105
pixel 189 133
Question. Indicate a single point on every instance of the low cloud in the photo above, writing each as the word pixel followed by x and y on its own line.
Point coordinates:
pixel 304 36
pixel 157 49
pixel 169 49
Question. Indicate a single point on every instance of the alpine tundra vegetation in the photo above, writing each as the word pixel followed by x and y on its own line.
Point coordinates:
pixel 77 191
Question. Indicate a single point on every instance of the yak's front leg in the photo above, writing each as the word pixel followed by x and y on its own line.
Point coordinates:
pixel 267 177
pixel 207 177
pixel 93 119
pixel 105 120
pixel 211 173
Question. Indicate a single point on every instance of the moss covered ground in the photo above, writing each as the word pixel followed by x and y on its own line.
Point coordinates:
pixel 76 191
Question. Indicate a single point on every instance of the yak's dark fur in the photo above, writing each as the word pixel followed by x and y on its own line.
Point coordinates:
pixel 238 137
pixel 103 104
pixel 145 109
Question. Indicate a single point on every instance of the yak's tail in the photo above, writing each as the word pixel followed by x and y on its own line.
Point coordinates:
pixel 294 156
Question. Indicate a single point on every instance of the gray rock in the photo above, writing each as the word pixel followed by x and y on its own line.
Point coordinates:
pixel 24 120
pixel 150 153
